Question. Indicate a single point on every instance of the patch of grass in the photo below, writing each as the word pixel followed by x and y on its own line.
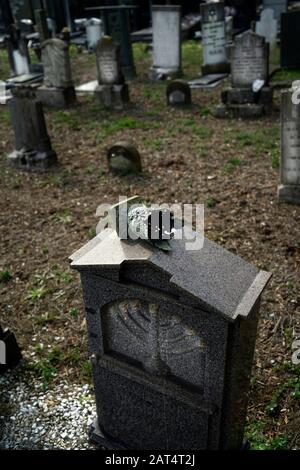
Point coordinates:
pixel 291 386
pixel 259 441
pixel 4 116
pixel 110 127
pixel 140 52
pixel 202 152
pixel 210 202
pixel 61 276
pixel 46 318
pixel 275 158
pixel 286 76
pixel 37 293
pixel 87 371
pixel 155 144
pixel 232 164
pixel 74 312
pixel 66 117
pixel 46 367
pixel 63 217
pixel 5 276
pixel 92 233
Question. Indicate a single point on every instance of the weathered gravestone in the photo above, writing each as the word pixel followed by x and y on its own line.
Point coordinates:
pixel 179 93
pixel 171 337
pixel 124 158
pixel 267 26
pixel 10 354
pixel 112 91
pixel 250 96
pixel 278 6
pixel 214 38
pixel 290 43
pixel 289 190
pixel 57 90
pixel 33 150
pixel 166 25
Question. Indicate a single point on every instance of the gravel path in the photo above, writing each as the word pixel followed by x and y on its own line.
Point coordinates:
pixel 32 418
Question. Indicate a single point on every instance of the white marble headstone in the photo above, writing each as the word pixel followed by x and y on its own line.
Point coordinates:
pixel 166 21
pixel 214 33
pixel 278 6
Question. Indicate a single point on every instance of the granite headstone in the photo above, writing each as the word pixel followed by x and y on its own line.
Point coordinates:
pixel 267 26
pixel 289 190
pixel 171 338
pixel 124 158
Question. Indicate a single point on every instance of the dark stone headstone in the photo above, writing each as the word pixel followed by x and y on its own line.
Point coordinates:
pixel 290 43
pixel 289 190
pixel 10 354
pixel 42 25
pixel 112 91
pixel 33 150
pixel 18 54
pixel 172 338
pixel 124 158
pixel 179 93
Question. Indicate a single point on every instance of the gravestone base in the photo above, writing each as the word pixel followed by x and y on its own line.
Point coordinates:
pixel 112 96
pixel 247 96
pixel 289 193
pixel 215 68
pixel 57 97
pixel 243 111
pixel 98 438
pixel 32 160
pixel 13 353
pixel 159 73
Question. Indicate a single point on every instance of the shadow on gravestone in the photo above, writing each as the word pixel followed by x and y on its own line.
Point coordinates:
pixel 33 149
pixel 179 93
pixel 57 90
pixel 124 158
pixel 112 91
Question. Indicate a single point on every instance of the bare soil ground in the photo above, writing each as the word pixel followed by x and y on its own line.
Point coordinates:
pixel 188 157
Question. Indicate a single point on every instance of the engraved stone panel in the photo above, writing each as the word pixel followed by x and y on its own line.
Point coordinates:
pixel 290 141
pixel 108 62
pixel 249 60
pixel 213 33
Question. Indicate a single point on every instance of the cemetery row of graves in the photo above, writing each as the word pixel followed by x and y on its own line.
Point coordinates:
pixel 203 152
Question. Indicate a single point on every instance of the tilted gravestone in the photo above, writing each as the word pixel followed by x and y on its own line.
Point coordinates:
pixel 250 96
pixel 42 25
pixel 179 93
pixel 289 190
pixel 57 90
pixel 10 354
pixel 214 38
pixel 112 91
pixel 166 25
pixel 171 336
pixel 267 26
pixel 124 158
pixel 33 150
